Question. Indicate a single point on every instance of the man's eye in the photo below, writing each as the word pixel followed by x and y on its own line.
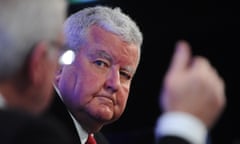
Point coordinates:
pixel 125 75
pixel 100 63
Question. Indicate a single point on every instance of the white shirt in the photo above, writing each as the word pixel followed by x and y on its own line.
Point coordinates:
pixel 182 125
pixel 83 135
pixel 2 102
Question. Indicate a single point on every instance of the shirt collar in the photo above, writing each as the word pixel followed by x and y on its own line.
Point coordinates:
pixel 83 135
pixel 2 102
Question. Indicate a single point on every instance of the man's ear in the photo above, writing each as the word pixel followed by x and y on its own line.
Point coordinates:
pixel 37 62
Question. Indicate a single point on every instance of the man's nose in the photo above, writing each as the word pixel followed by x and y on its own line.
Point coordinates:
pixel 113 81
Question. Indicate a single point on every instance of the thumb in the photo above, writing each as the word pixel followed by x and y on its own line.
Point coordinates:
pixel 181 56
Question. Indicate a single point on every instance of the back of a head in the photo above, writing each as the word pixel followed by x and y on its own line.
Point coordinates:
pixel 111 19
pixel 23 23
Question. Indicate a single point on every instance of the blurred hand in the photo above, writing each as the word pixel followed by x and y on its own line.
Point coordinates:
pixel 192 85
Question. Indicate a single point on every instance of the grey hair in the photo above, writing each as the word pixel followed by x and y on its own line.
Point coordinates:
pixel 23 23
pixel 111 19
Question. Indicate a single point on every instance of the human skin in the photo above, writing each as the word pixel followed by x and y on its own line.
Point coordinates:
pixel 96 86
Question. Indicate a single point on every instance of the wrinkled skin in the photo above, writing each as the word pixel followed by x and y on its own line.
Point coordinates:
pixel 96 86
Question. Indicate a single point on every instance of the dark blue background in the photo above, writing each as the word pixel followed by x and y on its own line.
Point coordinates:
pixel 211 27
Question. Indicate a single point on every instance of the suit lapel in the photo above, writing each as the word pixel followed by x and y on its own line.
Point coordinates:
pixel 58 110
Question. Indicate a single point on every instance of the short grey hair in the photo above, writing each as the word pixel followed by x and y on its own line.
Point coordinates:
pixel 24 23
pixel 111 19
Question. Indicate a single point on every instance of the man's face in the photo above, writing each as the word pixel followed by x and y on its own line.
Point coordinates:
pixel 96 86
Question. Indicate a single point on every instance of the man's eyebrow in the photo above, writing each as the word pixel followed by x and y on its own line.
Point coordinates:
pixel 102 54
pixel 129 69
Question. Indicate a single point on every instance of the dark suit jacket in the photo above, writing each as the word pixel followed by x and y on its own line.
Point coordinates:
pixel 172 140
pixel 59 111
pixel 20 128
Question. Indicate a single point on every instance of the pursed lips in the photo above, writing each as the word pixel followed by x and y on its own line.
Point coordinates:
pixel 107 98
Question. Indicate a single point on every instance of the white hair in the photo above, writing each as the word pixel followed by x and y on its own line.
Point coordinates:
pixel 23 23
pixel 111 19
